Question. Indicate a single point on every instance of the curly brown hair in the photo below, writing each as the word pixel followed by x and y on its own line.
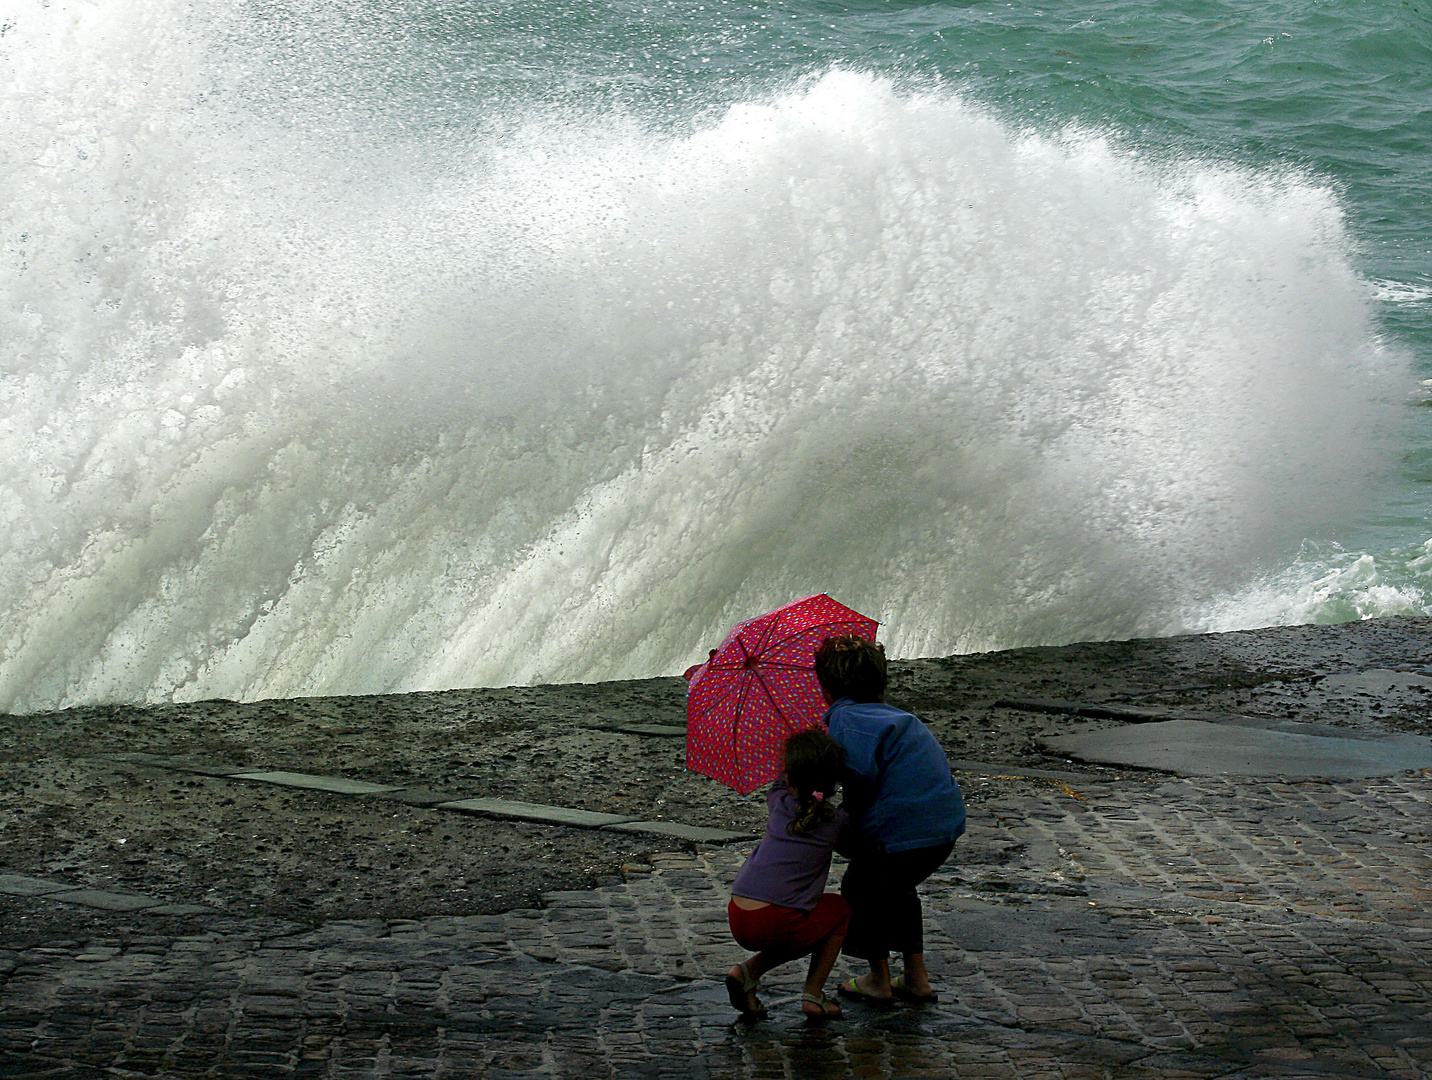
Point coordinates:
pixel 850 666
pixel 812 762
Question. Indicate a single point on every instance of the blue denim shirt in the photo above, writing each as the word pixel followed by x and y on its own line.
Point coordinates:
pixel 897 781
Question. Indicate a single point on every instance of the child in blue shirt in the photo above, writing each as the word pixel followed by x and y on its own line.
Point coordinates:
pixel 906 812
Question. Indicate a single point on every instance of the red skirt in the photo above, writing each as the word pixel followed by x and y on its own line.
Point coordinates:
pixel 781 929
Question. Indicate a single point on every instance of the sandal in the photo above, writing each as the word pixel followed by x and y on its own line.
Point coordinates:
pixel 829 1010
pixel 904 993
pixel 851 989
pixel 739 990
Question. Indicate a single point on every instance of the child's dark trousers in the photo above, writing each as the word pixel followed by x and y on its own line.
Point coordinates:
pixel 885 913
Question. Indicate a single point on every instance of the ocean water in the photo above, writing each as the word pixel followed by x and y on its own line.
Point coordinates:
pixel 368 346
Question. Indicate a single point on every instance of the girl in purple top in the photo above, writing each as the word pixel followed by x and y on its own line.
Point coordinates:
pixel 779 907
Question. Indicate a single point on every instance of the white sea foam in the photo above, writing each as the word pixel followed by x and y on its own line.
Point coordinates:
pixel 1337 587
pixel 1402 292
pixel 293 408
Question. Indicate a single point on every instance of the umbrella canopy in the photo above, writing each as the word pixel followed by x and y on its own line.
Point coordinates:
pixel 760 687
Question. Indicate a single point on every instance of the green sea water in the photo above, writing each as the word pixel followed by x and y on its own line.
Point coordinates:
pixel 402 345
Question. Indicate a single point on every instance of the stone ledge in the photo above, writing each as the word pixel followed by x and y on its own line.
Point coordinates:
pixel 421 796
pixel 105 901
pixel 509 809
pixel 21 885
pixel 317 783
pixel 1198 748
pixel 667 731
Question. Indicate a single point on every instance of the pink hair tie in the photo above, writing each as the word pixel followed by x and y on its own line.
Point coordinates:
pixel 819 796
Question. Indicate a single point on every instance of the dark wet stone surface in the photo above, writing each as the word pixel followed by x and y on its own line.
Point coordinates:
pixel 1096 921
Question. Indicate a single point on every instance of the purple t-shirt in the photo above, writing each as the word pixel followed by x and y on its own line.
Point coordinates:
pixel 787 869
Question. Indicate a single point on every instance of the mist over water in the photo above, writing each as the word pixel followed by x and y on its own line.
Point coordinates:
pixel 298 397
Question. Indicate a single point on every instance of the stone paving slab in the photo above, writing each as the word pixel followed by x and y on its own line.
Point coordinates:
pixel 104 900
pixel 526 811
pixel 422 796
pixel 695 833
pixel 1198 748
pixel 665 731
pixel 317 783
pixel 500 808
pixel 22 885
pixel 1229 929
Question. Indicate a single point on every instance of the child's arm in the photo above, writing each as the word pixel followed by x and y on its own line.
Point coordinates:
pixel 778 791
pixel 851 842
pixel 858 792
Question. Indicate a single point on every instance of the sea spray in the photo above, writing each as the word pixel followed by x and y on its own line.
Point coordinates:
pixel 321 407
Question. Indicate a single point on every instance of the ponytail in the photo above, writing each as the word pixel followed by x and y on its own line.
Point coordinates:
pixel 812 767
pixel 812 811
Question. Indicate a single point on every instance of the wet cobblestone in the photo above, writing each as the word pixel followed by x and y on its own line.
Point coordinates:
pixel 1171 928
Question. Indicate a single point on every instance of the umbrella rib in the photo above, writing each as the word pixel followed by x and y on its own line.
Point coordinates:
pixel 771 698
pixel 797 633
pixel 762 643
pixel 741 693
pixel 741 705
pixel 736 723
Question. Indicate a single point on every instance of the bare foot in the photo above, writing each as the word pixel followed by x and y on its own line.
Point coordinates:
pixel 861 987
pixel 916 992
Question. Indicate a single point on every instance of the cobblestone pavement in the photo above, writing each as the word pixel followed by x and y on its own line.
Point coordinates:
pixel 1165 928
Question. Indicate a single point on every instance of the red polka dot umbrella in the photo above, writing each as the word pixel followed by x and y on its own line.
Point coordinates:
pixel 759 687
